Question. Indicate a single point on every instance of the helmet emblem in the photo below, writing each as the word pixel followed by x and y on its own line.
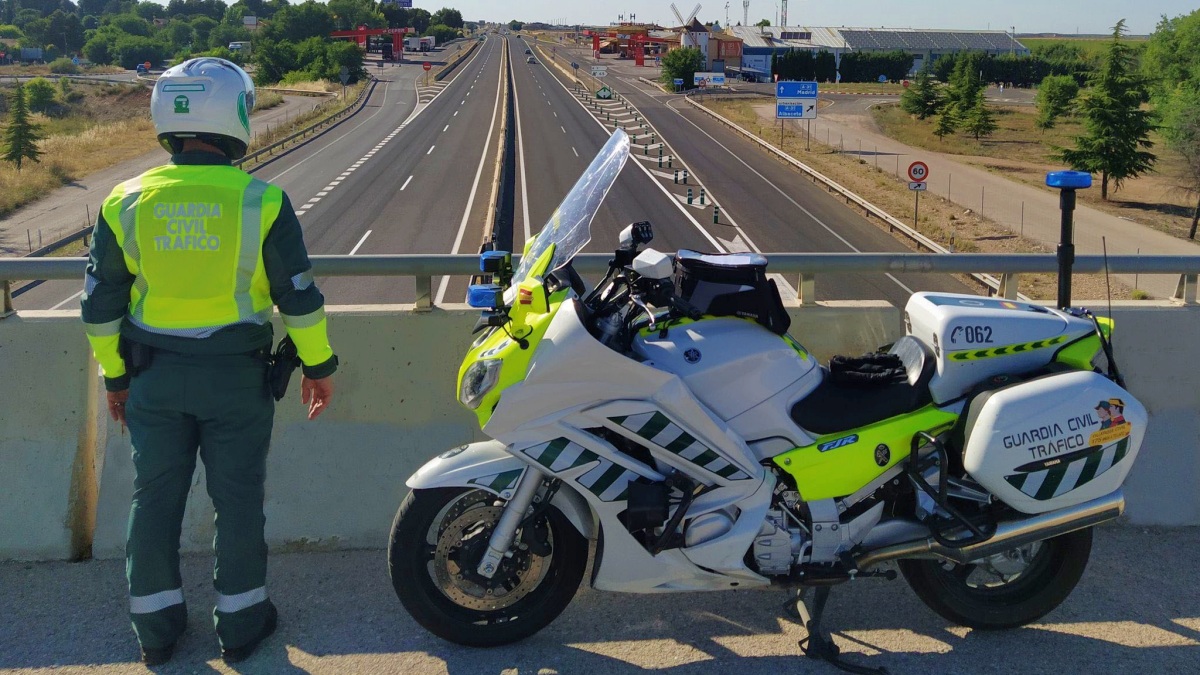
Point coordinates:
pixel 181 105
pixel 243 114
pixel 692 356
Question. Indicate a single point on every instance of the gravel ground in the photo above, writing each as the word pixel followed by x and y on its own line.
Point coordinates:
pixel 1137 610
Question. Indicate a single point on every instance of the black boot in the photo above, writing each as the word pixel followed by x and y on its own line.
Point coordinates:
pixel 236 654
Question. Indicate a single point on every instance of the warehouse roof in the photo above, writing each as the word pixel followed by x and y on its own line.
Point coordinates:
pixel 805 37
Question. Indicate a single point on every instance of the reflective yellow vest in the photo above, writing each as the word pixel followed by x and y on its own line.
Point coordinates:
pixel 193 235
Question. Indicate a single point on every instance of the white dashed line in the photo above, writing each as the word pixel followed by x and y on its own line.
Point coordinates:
pixel 314 200
pixel 445 129
pixel 406 183
pixel 430 151
pixel 456 113
pixel 360 243
pixel 564 129
pixel 574 151
pixel 322 193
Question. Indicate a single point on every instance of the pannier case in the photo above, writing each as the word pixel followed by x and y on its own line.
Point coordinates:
pixel 1054 441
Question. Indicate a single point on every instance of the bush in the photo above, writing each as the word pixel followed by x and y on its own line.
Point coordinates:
pixel 134 49
pixel 64 66
pixel 868 67
pixel 39 95
pixel 10 32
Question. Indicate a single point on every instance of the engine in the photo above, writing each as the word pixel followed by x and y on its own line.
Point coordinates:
pixel 779 545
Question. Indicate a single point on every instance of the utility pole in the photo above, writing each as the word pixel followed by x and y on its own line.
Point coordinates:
pixel 745 12
pixel 783 13
pixel 727 15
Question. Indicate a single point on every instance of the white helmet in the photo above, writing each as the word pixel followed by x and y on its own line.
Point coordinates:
pixel 208 99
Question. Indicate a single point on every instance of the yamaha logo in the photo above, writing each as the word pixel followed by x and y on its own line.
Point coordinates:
pixel 692 355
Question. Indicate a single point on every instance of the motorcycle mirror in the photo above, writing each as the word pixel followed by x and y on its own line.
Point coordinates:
pixel 636 235
pixel 485 296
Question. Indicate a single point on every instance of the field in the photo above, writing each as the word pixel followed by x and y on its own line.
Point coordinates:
pixel 1093 46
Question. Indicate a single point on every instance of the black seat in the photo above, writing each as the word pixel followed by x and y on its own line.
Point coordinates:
pixel 836 406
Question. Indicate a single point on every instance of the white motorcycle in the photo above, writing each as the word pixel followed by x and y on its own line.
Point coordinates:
pixel 667 415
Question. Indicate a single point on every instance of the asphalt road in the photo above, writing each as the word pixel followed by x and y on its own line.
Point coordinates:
pixel 766 206
pixel 1136 610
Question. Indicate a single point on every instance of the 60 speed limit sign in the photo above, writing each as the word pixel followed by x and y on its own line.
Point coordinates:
pixel 918 172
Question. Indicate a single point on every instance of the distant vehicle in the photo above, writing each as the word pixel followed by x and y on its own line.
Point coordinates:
pixel 528 51
pixel 531 60
pixel 242 47
pixel 388 53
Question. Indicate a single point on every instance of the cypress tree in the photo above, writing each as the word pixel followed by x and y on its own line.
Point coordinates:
pixel 924 98
pixel 947 122
pixel 1117 141
pixel 21 135
pixel 979 120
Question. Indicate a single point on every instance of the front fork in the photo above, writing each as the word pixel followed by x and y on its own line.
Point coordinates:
pixel 506 529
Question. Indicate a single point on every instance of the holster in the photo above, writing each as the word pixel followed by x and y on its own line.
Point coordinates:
pixel 137 356
pixel 284 363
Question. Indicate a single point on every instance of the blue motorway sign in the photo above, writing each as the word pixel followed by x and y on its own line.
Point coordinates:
pixel 796 109
pixel 404 3
pixel 796 90
pixel 678 82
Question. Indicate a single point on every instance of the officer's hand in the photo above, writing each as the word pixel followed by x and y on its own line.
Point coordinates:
pixel 116 405
pixel 316 394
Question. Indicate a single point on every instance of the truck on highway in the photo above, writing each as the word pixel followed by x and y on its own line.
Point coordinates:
pixel 428 43
pixel 412 44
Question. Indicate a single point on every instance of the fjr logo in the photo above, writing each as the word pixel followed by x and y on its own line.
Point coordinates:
pixel 839 443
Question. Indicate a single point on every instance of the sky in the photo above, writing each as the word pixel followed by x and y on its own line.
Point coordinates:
pixel 1029 16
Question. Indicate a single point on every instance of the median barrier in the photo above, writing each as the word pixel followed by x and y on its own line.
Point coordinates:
pixel 449 67
pixel 336 482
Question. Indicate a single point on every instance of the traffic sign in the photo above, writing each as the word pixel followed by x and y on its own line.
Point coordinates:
pixel 918 186
pixel 678 81
pixel 344 74
pixel 604 93
pixel 918 172
pixel 599 71
pixel 575 65
pixel 796 90
pixel 796 100
pixel 427 66
pixel 708 79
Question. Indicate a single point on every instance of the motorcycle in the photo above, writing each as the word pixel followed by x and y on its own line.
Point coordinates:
pixel 666 415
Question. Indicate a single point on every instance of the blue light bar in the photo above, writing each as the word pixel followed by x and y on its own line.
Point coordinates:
pixel 484 296
pixel 1069 180
pixel 487 256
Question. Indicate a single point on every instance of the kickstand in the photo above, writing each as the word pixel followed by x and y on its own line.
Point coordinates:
pixel 818 645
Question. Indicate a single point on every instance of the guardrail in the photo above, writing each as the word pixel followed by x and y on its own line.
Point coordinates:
pixel 353 108
pixel 496 204
pixel 458 59
pixel 424 268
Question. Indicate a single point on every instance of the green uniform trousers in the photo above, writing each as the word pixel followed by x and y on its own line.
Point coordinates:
pixel 219 405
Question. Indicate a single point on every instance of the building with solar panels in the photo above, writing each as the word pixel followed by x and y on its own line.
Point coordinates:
pixel 760 45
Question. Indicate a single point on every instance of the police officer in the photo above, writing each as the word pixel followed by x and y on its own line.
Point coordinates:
pixel 187 262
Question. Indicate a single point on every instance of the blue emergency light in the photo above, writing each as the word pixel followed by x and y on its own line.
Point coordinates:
pixel 1069 180
pixel 492 261
pixel 485 296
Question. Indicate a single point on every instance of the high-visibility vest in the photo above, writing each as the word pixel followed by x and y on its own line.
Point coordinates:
pixel 192 236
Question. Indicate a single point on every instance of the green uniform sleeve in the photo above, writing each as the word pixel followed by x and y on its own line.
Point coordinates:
pixel 296 294
pixel 105 301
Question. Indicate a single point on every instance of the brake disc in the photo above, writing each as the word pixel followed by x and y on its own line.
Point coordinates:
pixel 459 547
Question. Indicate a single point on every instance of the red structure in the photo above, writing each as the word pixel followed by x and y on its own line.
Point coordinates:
pixel 361 36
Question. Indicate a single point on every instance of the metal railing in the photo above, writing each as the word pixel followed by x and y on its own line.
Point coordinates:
pixel 806 266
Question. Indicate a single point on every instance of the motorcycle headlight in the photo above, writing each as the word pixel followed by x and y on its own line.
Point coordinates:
pixel 479 379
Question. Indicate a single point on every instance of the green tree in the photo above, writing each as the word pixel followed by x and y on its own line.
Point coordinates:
pixel 130 24
pixel 1054 98
pixel 1116 143
pixel 39 95
pixel 966 81
pixel 179 35
pixel 1172 55
pixel 924 98
pixel 420 20
pixel 21 135
pixel 447 17
pixel 978 120
pixel 66 30
pixel 763 23
pixel 350 14
pixel 131 50
pixel 442 32
pixel 947 122
pixel 682 64
pixel 515 25
pixel 297 23
pixel 10 32
pixel 1181 127
pixel 202 26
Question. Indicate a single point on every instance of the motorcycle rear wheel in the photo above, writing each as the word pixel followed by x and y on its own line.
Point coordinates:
pixel 963 594
pixel 436 529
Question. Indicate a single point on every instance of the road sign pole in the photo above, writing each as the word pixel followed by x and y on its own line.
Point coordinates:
pixel 808 141
pixel 917 209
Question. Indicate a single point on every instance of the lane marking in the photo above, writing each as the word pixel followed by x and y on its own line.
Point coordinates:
pixel 785 195
pixel 574 151
pixel 360 243
pixel 339 139
pixel 406 183
pixel 66 301
pixel 521 154
pixel 456 113
pixel 430 151
pixel 445 128
pixel 314 200
pixel 564 129
pixel 462 227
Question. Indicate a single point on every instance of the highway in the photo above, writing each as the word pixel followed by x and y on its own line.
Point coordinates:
pixel 412 173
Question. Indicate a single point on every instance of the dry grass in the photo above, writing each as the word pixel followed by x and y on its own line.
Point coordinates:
pixel 327 108
pixel 267 100
pixel 940 220
pixel 69 157
pixel 1016 139
pixel 44 69
pixel 325 86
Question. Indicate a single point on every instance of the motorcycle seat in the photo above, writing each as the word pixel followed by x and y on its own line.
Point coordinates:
pixel 836 406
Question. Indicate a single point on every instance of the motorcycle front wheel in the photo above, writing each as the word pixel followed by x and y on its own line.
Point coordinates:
pixel 438 538
pixel 1005 590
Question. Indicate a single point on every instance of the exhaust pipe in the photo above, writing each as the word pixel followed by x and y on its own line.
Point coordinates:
pixel 1010 534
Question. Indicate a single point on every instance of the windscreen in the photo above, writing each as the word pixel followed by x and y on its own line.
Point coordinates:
pixel 569 228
